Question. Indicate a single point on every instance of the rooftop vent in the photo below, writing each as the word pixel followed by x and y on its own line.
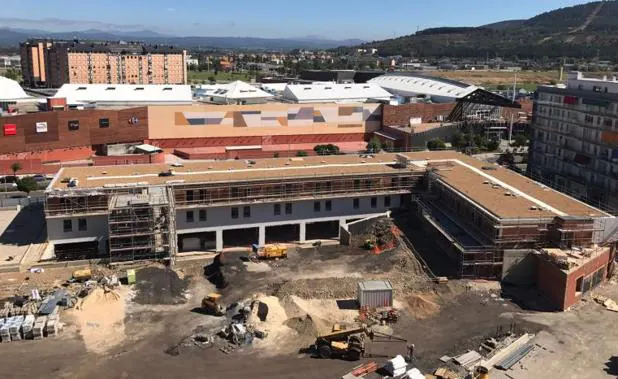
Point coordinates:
pixel 110 89
pixel 489 168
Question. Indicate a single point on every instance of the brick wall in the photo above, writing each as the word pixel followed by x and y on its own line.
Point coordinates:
pixel 551 282
pixel 601 261
pixel 393 115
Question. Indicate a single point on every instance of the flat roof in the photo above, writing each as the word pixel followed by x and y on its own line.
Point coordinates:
pixel 375 285
pixel 482 183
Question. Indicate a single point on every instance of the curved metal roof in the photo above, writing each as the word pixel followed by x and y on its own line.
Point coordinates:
pixel 412 84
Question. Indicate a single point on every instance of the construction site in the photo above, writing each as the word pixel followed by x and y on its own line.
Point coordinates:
pixel 383 265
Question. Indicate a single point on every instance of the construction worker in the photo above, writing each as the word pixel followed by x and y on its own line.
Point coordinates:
pixel 410 352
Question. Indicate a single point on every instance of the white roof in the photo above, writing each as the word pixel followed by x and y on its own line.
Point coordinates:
pixel 274 87
pixel 125 94
pixel 148 148
pixel 237 90
pixel 10 90
pixel 410 84
pixel 334 92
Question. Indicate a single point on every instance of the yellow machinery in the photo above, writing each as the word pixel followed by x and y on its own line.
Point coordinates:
pixel 82 275
pixel 271 251
pixel 348 343
pixel 212 305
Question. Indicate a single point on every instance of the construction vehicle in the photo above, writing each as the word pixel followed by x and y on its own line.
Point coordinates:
pixel 271 251
pixel 350 343
pixel 212 305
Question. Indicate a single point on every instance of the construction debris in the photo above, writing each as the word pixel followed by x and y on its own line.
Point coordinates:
pixel 361 371
pixel 608 303
pixel 396 367
pixel 444 373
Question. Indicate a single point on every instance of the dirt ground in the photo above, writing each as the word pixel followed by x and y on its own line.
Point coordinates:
pixel 440 320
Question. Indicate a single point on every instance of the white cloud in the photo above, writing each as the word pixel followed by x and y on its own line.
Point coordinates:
pixel 171 9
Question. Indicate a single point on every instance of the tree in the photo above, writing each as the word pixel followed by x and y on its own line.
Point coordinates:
pixel 436 144
pixel 16 166
pixel 458 140
pixel 520 140
pixel 506 159
pixel 27 184
pixel 302 154
pixel 389 146
pixel 212 79
pixel 13 74
pixel 493 145
pixel 374 145
pixel 329 149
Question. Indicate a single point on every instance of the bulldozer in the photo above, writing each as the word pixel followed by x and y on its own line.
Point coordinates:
pixel 271 251
pixel 211 305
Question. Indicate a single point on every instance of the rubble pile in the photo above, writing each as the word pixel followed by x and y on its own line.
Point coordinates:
pixel 160 286
pixel 326 288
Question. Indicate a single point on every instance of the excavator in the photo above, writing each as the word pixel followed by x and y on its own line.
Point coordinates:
pixel 349 343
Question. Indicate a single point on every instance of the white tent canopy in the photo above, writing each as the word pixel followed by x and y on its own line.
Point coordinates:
pixel 235 92
pixel 10 90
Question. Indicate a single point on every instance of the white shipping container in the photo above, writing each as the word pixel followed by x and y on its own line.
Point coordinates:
pixel 375 294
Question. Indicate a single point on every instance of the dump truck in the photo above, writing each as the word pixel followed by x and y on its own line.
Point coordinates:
pixel 271 251
pixel 211 304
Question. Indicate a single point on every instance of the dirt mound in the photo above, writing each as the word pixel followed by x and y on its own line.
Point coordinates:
pixel 422 305
pixel 326 288
pixel 304 326
pixel 100 318
pixel 160 286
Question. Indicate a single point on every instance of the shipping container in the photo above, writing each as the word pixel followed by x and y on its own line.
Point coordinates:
pixel 375 293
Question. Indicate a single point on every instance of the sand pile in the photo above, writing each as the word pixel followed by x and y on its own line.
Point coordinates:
pixel 422 305
pixel 281 338
pixel 323 312
pixel 160 286
pixel 100 318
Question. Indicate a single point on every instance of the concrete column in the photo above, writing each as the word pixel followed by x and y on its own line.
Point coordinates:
pixel 219 239
pixel 262 236
pixel 302 238
pixel 342 223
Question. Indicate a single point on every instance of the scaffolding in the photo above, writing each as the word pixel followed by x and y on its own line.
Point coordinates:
pixel 142 225
pixel 208 194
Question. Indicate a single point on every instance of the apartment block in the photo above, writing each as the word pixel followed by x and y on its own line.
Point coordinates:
pixel 575 138
pixel 54 63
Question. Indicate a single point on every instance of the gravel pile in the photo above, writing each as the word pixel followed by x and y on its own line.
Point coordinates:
pixel 327 288
pixel 160 286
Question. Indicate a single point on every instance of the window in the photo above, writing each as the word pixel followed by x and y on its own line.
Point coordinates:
pixel 189 195
pixel 73 124
pixel 234 212
pixel 202 215
pixel 368 183
pixel 82 224
pixel 234 192
pixel 190 216
pixel 374 202
pixel 288 208
pixel 356 184
pixel 387 201
pixel 277 209
pixel 104 123
pixel 201 194
pixel 328 205
pixel 579 285
pixel 67 225
pixel 316 206
pixel 356 203
pixel 246 212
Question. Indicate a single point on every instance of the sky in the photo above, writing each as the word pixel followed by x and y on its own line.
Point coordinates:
pixel 333 19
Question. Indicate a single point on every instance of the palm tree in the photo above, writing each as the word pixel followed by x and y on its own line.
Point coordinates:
pixel 16 166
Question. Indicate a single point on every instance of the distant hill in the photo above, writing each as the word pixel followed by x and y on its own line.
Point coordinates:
pixel 12 37
pixel 587 30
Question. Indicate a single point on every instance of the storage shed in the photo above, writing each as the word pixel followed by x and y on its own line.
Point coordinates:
pixel 375 293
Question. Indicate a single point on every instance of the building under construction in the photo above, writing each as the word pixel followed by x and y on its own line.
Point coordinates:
pixel 482 215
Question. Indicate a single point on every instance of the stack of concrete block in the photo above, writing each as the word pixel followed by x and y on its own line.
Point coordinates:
pixel 26 327
pixel 38 330
pixel 5 336
pixel 53 325
pixel 15 328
